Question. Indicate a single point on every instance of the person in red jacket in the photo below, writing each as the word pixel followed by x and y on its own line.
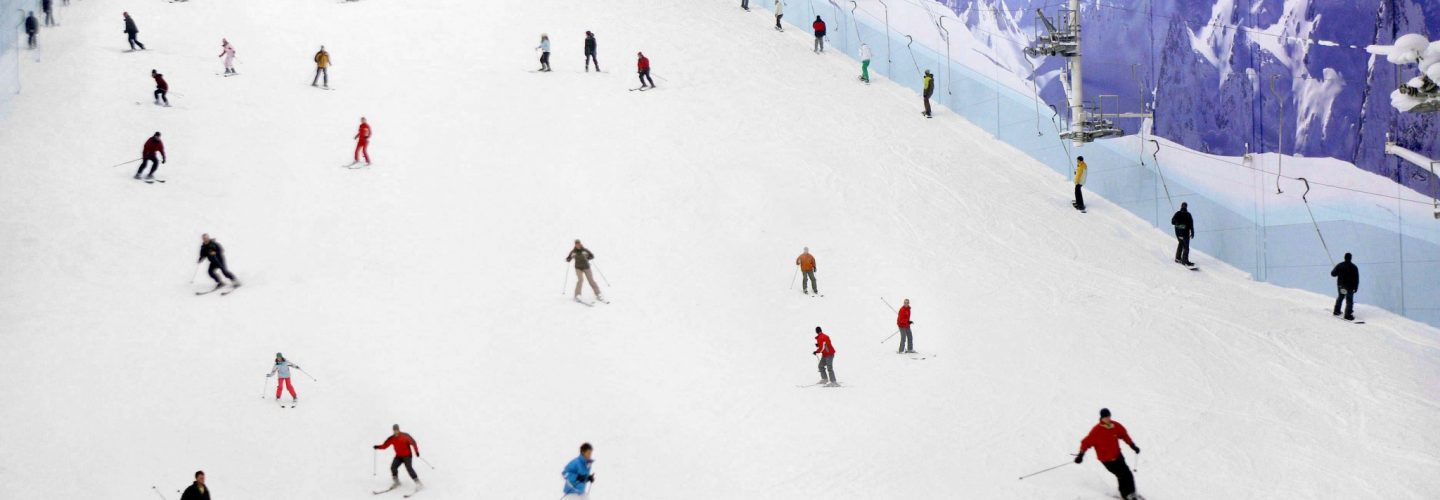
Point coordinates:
pixel 819 27
pixel 826 350
pixel 153 148
pixel 643 66
pixel 403 444
pixel 1105 438
pixel 362 142
pixel 907 342
pixel 161 88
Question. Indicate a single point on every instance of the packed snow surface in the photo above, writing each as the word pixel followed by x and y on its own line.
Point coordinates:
pixel 422 290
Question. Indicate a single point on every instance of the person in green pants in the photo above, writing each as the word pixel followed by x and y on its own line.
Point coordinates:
pixel 865 63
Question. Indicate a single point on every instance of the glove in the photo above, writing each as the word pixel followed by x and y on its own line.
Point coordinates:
pixel 162 160
pixel 1135 448
pixel 268 375
pixel 590 479
pixel 377 446
pixel 912 322
pixel 1079 458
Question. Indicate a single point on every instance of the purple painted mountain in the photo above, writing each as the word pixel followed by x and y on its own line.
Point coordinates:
pixel 1267 75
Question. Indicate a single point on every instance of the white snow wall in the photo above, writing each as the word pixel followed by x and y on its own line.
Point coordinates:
pixel 1241 219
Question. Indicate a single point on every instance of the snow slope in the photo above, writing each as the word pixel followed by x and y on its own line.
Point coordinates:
pixel 421 291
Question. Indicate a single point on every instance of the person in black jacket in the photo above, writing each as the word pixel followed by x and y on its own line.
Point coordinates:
pixel 590 52
pixel 210 249
pixel 197 490
pixel 1347 278
pixel 1184 231
pixel 31 28
pixel 132 31
pixel 48 7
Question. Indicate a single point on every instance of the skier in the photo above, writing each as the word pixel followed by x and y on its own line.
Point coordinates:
pixel 779 13
pixel 1082 172
pixel 907 342
pixel 807 269
pixel 197 490
pixel 1103 437
pixel 590 52
pixel 819 27
pixel 402 443
pixel 227 51
pixel 826 350
pixel 47 6
pixel 1184 231
pixel 582 257
pixel 544 49
pixel 282 367
pixel 1347 278
pixel 153 146
pixel 31 28
pixel 865 62
pixel 131 31
pixel 362 142
pixel 210 249
pixel 929 91
pixel 322 67
pixel 643 68
pixel 577 472
pixel 161 88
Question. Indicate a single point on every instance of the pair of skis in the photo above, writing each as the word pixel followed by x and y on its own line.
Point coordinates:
pixel 393 487
pixel 293 402
pixel 217 289
pixel 590 304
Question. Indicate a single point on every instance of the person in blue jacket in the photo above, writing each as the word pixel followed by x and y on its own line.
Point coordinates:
pixel 577 472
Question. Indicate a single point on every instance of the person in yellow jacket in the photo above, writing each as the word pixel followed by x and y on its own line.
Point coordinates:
pixel 1081 172
pixel 322 62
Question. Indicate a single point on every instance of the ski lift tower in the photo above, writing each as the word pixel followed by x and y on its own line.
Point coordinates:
pixel 1087 123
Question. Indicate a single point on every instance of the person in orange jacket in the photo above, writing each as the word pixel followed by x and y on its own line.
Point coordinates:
pixel 807 267
pixel 1105 438
pixel 826 351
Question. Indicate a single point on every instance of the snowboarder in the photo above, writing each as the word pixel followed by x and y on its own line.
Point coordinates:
pixel 403 444
pixel 1104 438
pixel 745 4
pixel 47 6
pixel 582 257
pixel 197 490
pixel 819 27
pixel 807 269
pixel 907 342
pixel 779 13
pixel 211 250
pixel 161 88
pixel 544 49
pixel 154 154
pixel 1184 231
pixel 865 62
pixel 643 68
pixel 282 367
pixel 590 52
pixel 31 28
pixel 1082 172
pixel 577 472
pixel 929 91
pixel 227 51
pixel 826 351
pixel 362 142
pixel 131 31
pixel 322 67
pixel 1347 278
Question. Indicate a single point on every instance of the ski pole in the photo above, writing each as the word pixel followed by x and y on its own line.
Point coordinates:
pixel 307 374
pixel 602 276
pixel 887 304
pixel 565 284
pixel 793 276
pixel 427 462
pixel 1137 463
pixel 887 339
pixel 196 274
pixel 157 492
pixel 1047 470
pixel 374 463
pixel 264 387
pixel 126 163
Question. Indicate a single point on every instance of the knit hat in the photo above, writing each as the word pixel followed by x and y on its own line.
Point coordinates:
pixel 1104 413
pixel 817 329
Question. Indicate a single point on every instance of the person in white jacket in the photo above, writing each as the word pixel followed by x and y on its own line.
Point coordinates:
pixel 544 49
pixel 779 13
pixel 865 62
pixel 228 52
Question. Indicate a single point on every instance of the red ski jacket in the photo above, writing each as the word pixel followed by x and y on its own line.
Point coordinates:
pixel 904 319
pixel 1106 441
pixel 152 146
pixel 160 82
pixel 363 135
pixel 402 444
pixel 643 64
pixel 823 346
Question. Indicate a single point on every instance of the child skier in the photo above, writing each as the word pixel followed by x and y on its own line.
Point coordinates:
pixel 577 472
pixel 227 51
pixel 161 88
pixel 826 350
pixel 544 49
pixel 1104 438
pixel 282 368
